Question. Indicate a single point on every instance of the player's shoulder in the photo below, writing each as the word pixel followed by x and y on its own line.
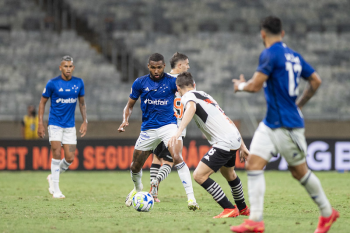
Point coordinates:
pixel 142 78
pixel 169 76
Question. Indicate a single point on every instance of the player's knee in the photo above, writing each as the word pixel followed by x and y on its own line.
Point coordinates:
pixel 70 159
pixel 135 168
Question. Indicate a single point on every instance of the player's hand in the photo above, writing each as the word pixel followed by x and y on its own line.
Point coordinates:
pixel 122 126
pixel 41 131
pixel 236 82
pixel 83 129
pixel 173 141
pixel 243 153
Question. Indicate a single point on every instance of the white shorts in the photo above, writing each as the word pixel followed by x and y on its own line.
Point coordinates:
pixel 63 135
pixel 290 144
pixel 150 139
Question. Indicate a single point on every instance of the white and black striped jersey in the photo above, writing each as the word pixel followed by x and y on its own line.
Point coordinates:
pixel 220 131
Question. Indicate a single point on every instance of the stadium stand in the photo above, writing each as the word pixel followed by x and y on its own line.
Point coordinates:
pixel 221 39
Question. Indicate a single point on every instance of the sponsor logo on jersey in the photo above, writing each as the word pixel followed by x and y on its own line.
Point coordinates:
pixel 67 101
pixel 156 102
pixel 61 89
pixel 146 89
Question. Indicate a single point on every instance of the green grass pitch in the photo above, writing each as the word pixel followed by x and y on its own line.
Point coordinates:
pixel 95 203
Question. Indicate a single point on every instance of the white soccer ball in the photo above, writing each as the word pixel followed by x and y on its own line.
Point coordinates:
pixel 142 201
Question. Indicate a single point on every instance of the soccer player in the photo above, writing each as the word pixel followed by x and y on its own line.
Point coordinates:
pixel 179 63
pixel 225 139
pixel 282 130
pixel 64 91
pixel 157 92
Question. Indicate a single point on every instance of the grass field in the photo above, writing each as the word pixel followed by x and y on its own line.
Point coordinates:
pixel 95 203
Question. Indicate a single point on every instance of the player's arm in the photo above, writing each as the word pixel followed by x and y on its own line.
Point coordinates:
pixel 314 81
pixel 188 115
pixel 126 114
pixel 41 128
pixel 253 85
pixel 82 107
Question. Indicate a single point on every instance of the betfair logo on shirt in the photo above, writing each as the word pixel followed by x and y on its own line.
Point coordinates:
pixel 156 102
pixel 67 101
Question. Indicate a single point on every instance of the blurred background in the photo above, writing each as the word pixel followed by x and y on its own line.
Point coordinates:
pixel 110 41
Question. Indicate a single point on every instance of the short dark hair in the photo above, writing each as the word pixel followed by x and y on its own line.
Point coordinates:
pixel 184 79
pixel 67 58
pixel 156 57
pixel 176 58
pixel 272 24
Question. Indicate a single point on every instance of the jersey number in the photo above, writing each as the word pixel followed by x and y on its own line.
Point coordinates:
pixel 293 78
pixel 179 108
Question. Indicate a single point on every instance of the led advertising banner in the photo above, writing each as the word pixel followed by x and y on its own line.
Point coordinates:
pixel 16 155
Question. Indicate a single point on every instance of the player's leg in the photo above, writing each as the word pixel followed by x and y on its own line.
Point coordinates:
pixel 55 138
pixel 235 184
pixel 139 159
pixel 183 171
pixel 69 153
pixel 294 153
pixel 210 163
pixel 261 150
pixel 145 144
pixel 154 169
pixel 164 171
pixel 69 141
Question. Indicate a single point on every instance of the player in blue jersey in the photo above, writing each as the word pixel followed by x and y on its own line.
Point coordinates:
pixel 64 91
pixel 282 130
pixel 179 63
pixel 157 92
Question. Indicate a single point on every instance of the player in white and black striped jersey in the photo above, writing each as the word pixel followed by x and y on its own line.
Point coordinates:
pixel 225 139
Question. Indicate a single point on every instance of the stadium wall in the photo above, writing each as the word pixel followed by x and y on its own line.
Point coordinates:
pixel 109 154
pixel 109 129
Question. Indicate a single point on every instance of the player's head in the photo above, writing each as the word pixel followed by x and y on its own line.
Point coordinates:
pixel 184 82
pixel 271 26
pixel 31 110
pixel 179 62
pixel 67 67
pixel 156 65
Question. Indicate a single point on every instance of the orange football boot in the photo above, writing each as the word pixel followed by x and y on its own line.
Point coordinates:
pixel 245 211
pixel 249 226
pixel 325 223
pixel 228 213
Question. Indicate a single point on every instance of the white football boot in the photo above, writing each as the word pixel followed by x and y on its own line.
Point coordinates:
pixel 154 188
pixel 58 195
pixel 51 190
pixel 192 204
pixel 128 200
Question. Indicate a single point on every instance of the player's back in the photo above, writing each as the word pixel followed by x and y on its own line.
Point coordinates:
pixel 284 68
pixel 212 121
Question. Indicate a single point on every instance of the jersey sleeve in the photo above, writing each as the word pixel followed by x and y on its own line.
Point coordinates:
pixel 307 69
pixel 187 98
pixel 135 90
pixel 266 62
pixel 173 85
pixel 82 89
pixel 48 90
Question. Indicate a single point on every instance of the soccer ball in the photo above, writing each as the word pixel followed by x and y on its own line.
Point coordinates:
pixel 142 201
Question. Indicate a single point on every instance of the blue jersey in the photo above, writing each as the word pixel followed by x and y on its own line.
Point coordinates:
pixel 64 96
pixel 157 100
pixel 284 68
